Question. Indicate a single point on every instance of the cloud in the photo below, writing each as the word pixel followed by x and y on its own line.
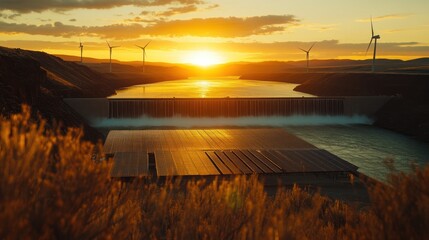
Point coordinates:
pixel 222 27
pixel 321 27
pixel 178 10
pixel 44 20
pixel 171 11
pixel 166 13
pixel 212 6
pixel 115 31
pixel 384 17
pixel 26 6
pixel 11 16
pixel 141 20
pixel 420 28
pixel 210 27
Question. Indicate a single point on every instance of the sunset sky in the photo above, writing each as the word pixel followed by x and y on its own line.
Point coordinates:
pixel 225 30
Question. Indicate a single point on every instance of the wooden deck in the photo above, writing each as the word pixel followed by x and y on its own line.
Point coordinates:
pixel 217 152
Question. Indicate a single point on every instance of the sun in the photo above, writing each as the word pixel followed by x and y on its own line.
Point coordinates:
pixel 203 58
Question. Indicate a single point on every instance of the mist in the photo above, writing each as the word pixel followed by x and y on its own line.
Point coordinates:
pixel 188 122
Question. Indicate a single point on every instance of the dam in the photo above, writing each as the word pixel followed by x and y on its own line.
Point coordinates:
pixel 225 97
pixel 106 108
pixel 224 107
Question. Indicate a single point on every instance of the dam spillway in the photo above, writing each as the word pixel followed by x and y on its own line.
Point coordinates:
pixel 95 109
pixel 224 107
pixel 220 98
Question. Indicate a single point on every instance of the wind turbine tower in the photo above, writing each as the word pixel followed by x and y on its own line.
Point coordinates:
pixel 110 50
pixel 307 52
pixel 144 54
pixel 81 51
pixel 375 38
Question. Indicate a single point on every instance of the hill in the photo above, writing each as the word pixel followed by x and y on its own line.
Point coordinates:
pixel 60 77
pixel 408 113
pixel 41 80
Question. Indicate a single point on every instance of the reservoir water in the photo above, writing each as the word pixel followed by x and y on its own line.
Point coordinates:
pixel 219 87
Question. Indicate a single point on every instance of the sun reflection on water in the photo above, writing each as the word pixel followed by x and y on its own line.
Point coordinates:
pixel 211 88
pixel 204 87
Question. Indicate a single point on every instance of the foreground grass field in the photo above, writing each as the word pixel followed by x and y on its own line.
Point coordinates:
pixel 52 187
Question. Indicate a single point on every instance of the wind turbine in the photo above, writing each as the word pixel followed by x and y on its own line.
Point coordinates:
pixel 81 51
pixel 375 38
pixel 308 56
pixel 144 54
pixel 110 49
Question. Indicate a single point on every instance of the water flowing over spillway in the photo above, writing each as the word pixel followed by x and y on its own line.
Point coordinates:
pixel 231 97
pixel 224 107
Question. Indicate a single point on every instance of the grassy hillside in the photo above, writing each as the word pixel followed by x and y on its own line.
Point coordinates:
pixel 42 80
pixel 60 77
pixel 52 186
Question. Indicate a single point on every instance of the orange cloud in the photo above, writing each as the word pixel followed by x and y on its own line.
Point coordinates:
pixel 384 17
pixel 210 27
pixel 321 27
pixel 178 10
pixel 222 27
pixel 115 31
pixel 166 13
pixel 25 6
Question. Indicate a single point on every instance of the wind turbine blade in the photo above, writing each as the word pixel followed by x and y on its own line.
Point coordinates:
pixel 147 44
pixel 311 47
pixel 114 46
pixel 369 45
pixel 303 49
pixel 108 43
pixel 139 46
pixel 372 28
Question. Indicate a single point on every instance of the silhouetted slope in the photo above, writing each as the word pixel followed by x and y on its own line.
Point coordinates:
pixel 366 84
pixel 62 78
pixel 21 79
pixel 41 80
pixel 407 114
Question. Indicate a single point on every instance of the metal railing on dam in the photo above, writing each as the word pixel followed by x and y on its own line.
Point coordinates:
pixel 224 107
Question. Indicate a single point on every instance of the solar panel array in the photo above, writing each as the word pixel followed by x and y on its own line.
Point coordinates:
pixel 217 152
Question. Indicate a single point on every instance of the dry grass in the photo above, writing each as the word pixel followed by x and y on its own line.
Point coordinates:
pixel 50 187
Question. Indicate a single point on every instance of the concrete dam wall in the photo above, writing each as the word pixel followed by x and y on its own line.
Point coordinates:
pixel 224 107
pixel 91 108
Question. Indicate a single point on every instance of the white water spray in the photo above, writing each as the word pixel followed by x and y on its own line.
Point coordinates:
pixel 188 122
